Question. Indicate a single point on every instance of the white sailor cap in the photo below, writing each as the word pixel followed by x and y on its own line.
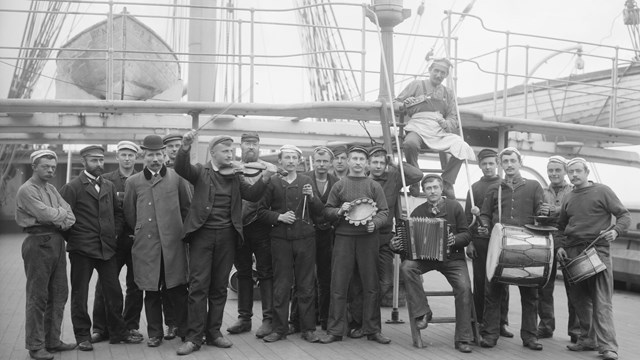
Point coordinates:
pixel 40 153
pixel 128 145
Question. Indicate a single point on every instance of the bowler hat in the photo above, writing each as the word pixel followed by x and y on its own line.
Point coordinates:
pixel 152 142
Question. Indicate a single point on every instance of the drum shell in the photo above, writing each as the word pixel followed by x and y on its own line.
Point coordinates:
pixel 519 256
pixel 583 266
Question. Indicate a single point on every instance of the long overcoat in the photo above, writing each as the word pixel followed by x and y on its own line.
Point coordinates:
pixel 155 207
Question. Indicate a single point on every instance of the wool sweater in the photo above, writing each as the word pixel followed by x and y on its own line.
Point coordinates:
pixel 352 188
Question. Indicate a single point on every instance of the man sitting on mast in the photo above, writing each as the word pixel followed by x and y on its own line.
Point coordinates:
pixel 434 124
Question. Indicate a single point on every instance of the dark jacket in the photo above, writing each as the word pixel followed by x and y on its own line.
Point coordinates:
pixel 201 176
pixel 519 204
pixel 119 180
pixel 452 212
pixel 98 217
pixel 281 197
pixel 479 189
pixel 319 221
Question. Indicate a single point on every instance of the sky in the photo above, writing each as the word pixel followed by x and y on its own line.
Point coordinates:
pixel 586 22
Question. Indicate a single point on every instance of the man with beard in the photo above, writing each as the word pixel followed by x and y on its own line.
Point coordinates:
pixel 434 124
pixel 256 243
pixel 554 197
pixel 355 246
pixel 339 162
pixel 477 248
pixel 387 174
pixel 289 205
pixel 586 215
pixel 453 267
pixel 172 143
pixel 43 214
pixel 91 243
pixel 519 199
pixel 126 153
pixel 155 203
pixel 213 230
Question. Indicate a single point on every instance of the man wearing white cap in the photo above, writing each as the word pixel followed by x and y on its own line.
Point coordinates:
pixel 43 214
pixel 289 205
pixel 126 152
pixel 587 214
pixel 554 196
pixel 434 124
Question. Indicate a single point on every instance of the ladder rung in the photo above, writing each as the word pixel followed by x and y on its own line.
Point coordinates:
pixel 438 293
pixel 443 320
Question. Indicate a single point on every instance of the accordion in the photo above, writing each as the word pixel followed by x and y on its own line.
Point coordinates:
pixel 423 238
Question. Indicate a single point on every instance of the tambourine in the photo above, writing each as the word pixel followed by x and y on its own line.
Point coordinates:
pixel 362 211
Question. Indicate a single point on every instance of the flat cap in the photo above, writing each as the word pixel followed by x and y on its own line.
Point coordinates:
pixel 558 159
pixel 510 149
pixel 250 136
pixel 376 149
pixel 218 139
pixel 442 62
pixel 292 148
pixel 359 148
pixel 578 160
pixel 431 176
pixel 127 145
pixel 92 150
pixel 485 153
pixel 340 149
pixel 171 137
pixel 40 153
pixel 152 142
pixel 323 149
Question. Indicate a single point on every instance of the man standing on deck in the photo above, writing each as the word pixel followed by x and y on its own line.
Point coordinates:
pixel 477 248
pixel 43 214
pixel 126 152
pixel 516 200
pixel 586 215
pixel 554 197
pixel 91 244
pixel 256 243
pixel 434 124
pixel 213 230
pixel 355 246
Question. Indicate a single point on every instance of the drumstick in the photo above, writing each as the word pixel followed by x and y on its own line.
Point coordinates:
pixel 304 206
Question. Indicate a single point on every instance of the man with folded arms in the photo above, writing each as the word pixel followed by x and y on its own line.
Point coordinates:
pixel 586 215
pixel 43 214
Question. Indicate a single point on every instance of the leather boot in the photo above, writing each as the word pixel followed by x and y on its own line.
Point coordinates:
pixel 266 296
pixel 245 307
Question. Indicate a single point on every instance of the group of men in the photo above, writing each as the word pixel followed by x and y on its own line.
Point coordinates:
pixel 179 228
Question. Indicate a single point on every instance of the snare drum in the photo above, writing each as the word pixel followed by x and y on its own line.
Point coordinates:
pixel 519 256
pixel 583 266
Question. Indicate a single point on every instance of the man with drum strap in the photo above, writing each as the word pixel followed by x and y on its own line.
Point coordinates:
pixel 44 215
pixel 477 248
pixel 514 201
pixel 355 245
pixel 385 172
pixel 256 243
pixel 554 196
pixel 584 217
pixel 453 267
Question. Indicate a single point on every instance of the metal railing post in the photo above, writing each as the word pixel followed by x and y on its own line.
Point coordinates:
pixel 526 82
pixel 495 83
pixel 506 76
pixel 252 56
pixel 363 52
pixel 109 87
pixel 614 91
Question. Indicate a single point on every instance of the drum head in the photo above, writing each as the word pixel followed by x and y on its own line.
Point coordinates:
pixel 494 250
pixel 361 211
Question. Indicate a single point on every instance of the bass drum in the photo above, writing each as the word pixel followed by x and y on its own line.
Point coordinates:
pixel 519 256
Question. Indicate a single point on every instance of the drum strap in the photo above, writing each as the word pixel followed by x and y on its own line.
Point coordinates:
pixel 500 203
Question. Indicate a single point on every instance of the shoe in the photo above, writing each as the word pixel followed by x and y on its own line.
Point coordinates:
pixel 154 341
pixel 328 339
pixel 504 332
pixel 447 190
pixel 273 337
pixel 422 322
pixel 543 334
pixel 487 343
pixel 220 342
pixel 40 354
pixel 129 339
pixel 581 347
pixel 265 329
pixel 379 338
pixel 239 327
pixel 85 346
pixel 172 331
pixel 310 336
pixel 609 355
pixel 62 347
pixel 293 329
pixel 97 337
pixel 574 338
pixel 533 345
pixel 187 348
pixel 356 333
pixel 463 347
pixel 135 333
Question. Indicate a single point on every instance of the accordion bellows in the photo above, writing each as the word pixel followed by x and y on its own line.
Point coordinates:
pixel 423 238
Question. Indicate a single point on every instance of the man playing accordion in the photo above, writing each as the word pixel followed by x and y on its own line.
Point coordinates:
pixel 453 266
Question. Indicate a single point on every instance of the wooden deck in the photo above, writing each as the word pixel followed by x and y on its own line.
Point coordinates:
pixel 438 337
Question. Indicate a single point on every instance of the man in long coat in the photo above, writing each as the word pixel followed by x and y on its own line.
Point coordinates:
pixel 155 204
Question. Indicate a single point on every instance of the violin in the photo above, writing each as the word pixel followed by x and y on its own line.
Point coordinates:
pixel 247 169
